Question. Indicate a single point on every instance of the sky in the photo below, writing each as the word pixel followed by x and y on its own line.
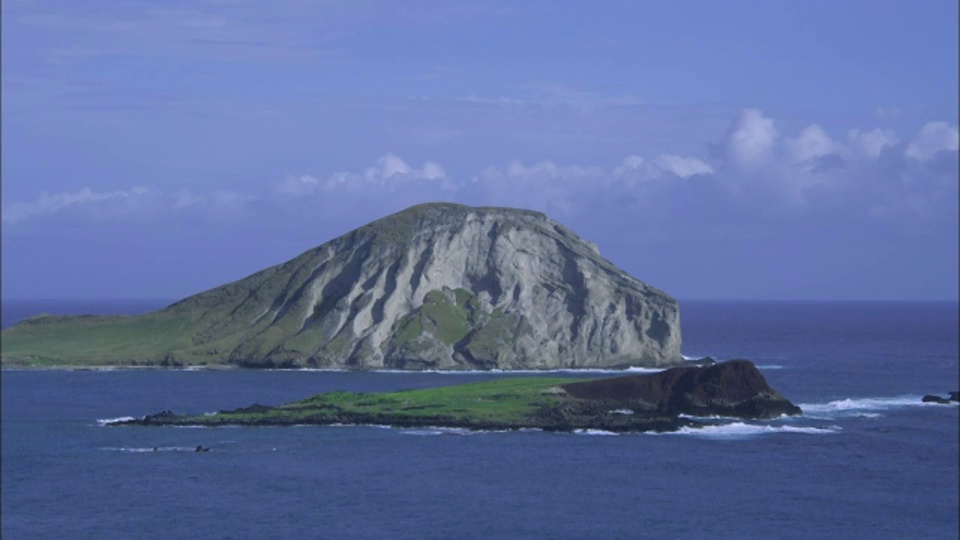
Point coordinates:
pixel 755 150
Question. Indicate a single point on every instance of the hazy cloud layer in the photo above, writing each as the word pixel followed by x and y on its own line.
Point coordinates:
pixel 754 168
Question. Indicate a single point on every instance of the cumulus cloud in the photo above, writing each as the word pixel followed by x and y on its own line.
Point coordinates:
pixel 810 144
pixel 663 166
pixel 389 172
pixel 871 143
pixel 871 169
pixel 544 185
pixel 750 140
pixel 756 169
pixel 935 137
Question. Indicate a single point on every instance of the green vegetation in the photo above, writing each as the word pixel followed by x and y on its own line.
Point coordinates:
pixel 447 315
pixel 507 403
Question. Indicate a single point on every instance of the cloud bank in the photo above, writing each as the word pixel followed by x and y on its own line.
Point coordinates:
pixel 753 167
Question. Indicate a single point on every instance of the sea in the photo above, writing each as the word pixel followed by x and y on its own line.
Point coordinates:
pixel 867 459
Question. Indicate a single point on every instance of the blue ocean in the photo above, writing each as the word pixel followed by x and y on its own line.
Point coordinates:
pixel 867 459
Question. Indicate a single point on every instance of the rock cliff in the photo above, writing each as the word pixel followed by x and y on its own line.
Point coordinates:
pixel 436 286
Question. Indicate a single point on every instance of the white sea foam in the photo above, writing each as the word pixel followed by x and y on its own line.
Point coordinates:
pixel 108 421
pixel 740 430
pixel 438 430
pixel 593 432
pixel 859 406
pixel 422 432
pixel 140 450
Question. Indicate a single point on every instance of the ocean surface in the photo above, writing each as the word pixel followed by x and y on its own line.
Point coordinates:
pixel 867 460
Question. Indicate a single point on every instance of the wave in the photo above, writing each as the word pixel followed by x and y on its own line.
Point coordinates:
pixel 140 450
pixel 741 430
pixel 770 366
pixel 593 432
pixel 863 407
pixel 108 421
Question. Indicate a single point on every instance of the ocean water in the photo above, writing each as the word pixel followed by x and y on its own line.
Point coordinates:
pixel 867 460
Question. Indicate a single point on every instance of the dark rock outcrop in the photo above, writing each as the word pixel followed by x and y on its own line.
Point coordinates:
pixel 930 398
pixel 734 388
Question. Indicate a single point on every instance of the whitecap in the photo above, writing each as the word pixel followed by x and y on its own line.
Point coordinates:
pixel 594 432
pixel 740 430
pixel 422 432
pixel 108 421
pixel 859 406
pixel 140 450
pixel 439 430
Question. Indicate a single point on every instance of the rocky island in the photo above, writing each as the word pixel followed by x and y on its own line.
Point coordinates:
pixel 436 286
pixel 664 401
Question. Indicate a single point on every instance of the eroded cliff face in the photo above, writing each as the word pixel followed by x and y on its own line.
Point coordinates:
pixel 443 286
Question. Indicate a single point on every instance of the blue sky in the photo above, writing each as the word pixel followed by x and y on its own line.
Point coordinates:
pixel 717 150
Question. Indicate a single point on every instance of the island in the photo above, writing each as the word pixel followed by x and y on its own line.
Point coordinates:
pixel 661 402
pixel 435 286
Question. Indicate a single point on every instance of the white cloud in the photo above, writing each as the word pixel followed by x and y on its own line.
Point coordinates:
pixel 813 142
pixel 870 168
pixel 299 185
pixel 871 143
pixel 136 203
pixel 389 172
pixel 869 171
pixel 544 185
pixel 218 204
pixel 935 137
pixel 48 204
pixel 749 142
pixel 636 167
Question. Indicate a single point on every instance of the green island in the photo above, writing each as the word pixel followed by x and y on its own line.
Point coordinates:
pixel 634 403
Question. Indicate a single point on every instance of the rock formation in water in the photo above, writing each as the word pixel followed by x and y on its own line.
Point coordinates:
pixel 734 388
pixel 437 286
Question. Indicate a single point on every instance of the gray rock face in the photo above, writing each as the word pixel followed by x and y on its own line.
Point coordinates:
pixel 442 286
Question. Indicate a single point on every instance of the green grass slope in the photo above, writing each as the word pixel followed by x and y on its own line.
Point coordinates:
pixel 508 403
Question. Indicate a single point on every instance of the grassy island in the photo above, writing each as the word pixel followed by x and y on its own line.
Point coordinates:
pixel 655 402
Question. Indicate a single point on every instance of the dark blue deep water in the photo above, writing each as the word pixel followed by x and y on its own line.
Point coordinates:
pixel 868 460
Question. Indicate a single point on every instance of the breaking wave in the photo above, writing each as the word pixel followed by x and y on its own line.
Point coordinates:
pixel 741 430
pixel 862 407
pixel 140 450
pixel 594 432
pixel 108 421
